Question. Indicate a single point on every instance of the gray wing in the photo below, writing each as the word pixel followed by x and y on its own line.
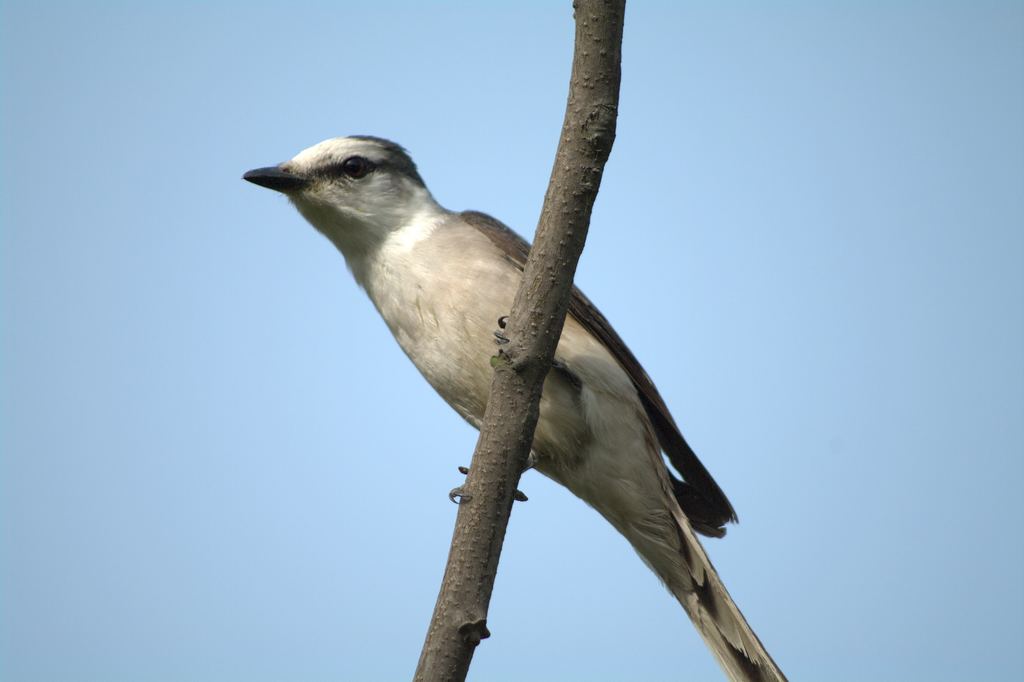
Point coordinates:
pixel 704 503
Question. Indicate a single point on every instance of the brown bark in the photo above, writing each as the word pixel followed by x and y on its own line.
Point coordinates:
pixel 533 329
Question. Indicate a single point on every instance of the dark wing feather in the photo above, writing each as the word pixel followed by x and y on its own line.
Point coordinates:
pixel 699 496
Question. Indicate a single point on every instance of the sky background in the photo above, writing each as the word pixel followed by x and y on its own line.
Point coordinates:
pixel 215 463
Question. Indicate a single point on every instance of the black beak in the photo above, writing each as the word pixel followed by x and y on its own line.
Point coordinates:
pixel 273 177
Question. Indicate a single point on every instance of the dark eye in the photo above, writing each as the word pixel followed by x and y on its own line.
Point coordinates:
pixel 356 166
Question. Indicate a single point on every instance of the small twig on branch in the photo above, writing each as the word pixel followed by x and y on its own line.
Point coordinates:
pixel 533 329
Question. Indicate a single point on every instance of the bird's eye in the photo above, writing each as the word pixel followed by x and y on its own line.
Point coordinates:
pixel 356 167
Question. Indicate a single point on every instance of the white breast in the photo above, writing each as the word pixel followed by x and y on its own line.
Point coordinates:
pixel 441 286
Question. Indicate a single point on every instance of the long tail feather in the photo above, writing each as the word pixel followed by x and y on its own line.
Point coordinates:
pixel 692 579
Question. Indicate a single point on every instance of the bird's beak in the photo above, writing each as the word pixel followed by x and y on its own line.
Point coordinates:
pixel 276 178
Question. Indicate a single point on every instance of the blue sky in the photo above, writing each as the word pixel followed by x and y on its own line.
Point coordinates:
pixel 215 464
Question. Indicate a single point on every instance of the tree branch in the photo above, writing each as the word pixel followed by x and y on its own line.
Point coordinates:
pixel 533 329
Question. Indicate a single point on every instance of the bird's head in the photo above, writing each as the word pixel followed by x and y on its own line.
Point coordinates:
pixel 356 190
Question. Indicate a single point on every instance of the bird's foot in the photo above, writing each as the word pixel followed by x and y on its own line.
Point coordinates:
pixel 499 335
pixel 458 497
pixel 531 462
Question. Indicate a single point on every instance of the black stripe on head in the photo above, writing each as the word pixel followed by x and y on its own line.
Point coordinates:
pixel 397 159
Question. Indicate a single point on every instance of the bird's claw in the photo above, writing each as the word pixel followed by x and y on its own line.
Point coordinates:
pixel 498 334
pixel 531 461
pixel 457 497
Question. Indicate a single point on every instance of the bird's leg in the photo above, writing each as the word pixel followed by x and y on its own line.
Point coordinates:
pixel 456 495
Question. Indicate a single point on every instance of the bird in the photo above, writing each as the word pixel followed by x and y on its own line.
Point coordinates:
pixel 441 280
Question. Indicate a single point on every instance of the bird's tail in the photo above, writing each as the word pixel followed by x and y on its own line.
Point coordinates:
pixel 684 567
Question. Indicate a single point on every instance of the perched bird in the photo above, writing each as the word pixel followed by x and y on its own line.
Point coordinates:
pixel 441 280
